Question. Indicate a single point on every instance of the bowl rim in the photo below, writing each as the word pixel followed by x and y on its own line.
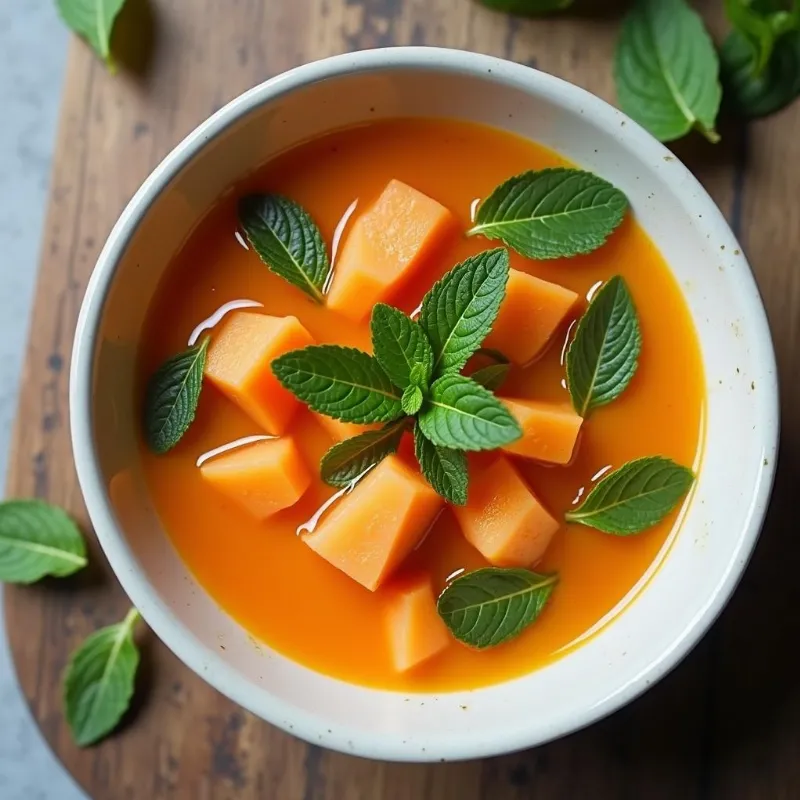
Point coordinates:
pixel 135 584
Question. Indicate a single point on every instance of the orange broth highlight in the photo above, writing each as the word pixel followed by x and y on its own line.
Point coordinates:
pixel 262 573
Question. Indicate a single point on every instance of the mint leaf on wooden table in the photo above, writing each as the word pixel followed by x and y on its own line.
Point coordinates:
pixel 401 347
pixel 98 683
pixel 287 240
pixel 761 24
pixel 753 95
pixel 493 605
pixel 552 213
pixel 38 539
pixel 171 397
pixel 94 21
pixel 459 311
pixel 411 401
pixel 634 497
pixel 462 415
pixel 666 70
pixel 603 357
pixel 350 459
pixel 444 469
pixel 340 382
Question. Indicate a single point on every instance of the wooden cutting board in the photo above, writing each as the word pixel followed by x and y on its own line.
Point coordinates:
pixel 725 724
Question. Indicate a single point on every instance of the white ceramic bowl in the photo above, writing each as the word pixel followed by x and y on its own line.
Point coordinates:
pixel 680 599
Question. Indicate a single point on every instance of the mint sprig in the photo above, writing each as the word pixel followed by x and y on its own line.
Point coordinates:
pixel 453 413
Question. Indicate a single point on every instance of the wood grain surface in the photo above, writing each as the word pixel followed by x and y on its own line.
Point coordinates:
pixel 725 725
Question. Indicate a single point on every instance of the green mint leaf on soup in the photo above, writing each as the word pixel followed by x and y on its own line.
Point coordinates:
pixel 340 382
pixel 411 401
pixel 459 311
pixel 634 497
pixel 492 375
pixel 38 539
pixel 603 356
pixel 401 347
pixel 751 94
pixel 666 70
pixel 287 240
pixel 98 683
pixel 528 8
pixel 171 398
pixel 552 213
pixel 493 605
pixel 348 460
pixel 94 21
pixel 462 415
pixel 444 469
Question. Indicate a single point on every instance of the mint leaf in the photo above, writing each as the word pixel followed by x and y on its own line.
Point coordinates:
pixel 340 382
pixel 459 311
pixel 350 459
pixel 401 347
pixel 603 356
pixel 761 24
pixel 38 539
pixel 753 95
pixel 464 416
pixel 98 683
pixel 287 241
pixel 552 213
pixel 491 377
pixel 666 70
pixel 493 605
pixel 94 21
pixel 444 469
pixel 529 8
pixel 171 398
pixel 411 400
pixel 634 497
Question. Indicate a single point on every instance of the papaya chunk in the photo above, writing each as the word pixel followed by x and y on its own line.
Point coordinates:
pixel 415 629
pixel 549 430
pixel 385 247
pixel 263 478
pixel 503 519
pixel 239 364
pixel 369 532
pixel 529 315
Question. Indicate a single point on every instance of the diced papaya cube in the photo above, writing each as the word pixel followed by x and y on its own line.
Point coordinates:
pixel 370 531
pixel 263 478
pixel 339 431
pixel 503 519
pixel 529 315
pixel 416 631
pixel 384 248
pixel 239 360
pixel 549 430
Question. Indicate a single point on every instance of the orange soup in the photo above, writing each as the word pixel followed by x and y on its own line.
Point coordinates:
pixel 256 564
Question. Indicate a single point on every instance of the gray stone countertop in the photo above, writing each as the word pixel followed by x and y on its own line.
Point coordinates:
pixel 32 56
